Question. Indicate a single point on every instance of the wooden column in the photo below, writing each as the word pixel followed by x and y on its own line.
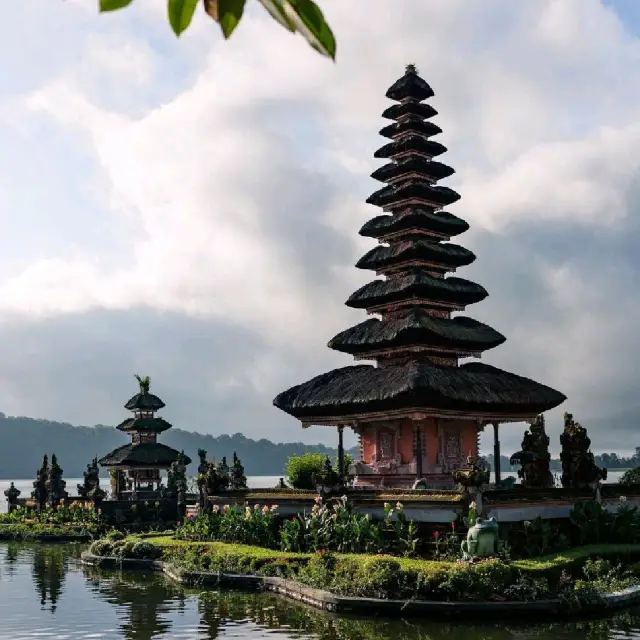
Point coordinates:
pixel 418 451
pixel 340 452
pixel 496 452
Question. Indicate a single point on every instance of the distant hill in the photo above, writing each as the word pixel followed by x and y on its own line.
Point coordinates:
pixel 23 442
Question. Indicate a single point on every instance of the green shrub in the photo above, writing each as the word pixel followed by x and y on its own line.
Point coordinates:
pixel 631 476
pixel 103 547
pixel 301 469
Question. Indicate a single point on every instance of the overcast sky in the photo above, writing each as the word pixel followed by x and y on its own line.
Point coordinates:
pixel 188 209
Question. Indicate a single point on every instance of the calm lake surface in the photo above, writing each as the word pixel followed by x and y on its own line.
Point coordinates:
pixel 46 593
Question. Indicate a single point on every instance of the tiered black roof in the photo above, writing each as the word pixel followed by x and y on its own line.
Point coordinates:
pixel 414 218
pixel 412 164
pixel 447 254
pixel 414 301
pixel 417 328
pixel 144 454
pixel 420 384
pixel 417 284
pixel 155 424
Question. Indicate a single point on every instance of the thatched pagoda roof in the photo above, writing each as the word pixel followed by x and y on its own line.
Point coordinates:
pixel 412 164
pixel 445 253
pixel 417 328
pixel 417 284
pixel 411 85
pixel 417 126
pixel 144 402
pixel 417 144
pixel 412 188
pixel 150 425
pixel 418 109
pixel 414 218
pixel 144 454
pixel 420 384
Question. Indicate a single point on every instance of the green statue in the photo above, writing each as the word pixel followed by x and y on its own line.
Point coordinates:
pixel 482 540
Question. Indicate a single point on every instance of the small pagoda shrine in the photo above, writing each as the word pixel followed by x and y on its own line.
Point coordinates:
pixel 417 410
pixel 136 467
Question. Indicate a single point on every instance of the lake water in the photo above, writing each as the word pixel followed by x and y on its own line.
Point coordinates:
pixel 46 593
pixel 255 482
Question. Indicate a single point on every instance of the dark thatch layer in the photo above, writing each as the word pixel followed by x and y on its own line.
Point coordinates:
pixel 417 328
pixel 145 454
pixel 144 402
pixel 416 109
pixel 451 255
pixel 410 126
pixel 412 188
pixel 154 425
pixel 473 387
pixel 410 143
pixel 414 218
pixel 411 85
pixel 412 164
pixel 417 284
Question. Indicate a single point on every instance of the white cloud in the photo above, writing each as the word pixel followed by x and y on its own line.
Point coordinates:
pixel 236 172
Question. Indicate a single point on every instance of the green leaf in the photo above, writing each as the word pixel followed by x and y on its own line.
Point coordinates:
pixel 307 18
pixel 180 14
pixel 276 10
pixel 229 14
pixel 113 5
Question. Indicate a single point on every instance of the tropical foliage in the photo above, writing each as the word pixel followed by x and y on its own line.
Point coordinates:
pixel 331 526
pixel 297 16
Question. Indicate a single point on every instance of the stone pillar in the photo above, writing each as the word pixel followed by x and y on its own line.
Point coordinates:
pixel 496 453
pixel 340 453
pixel 418 432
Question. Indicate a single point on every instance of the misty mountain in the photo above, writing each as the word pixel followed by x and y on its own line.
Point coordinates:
pixel 23 442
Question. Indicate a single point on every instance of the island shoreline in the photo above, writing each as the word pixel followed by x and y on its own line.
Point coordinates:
pixel 327 601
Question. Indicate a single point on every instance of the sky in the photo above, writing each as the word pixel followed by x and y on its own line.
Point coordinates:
pixel 188 208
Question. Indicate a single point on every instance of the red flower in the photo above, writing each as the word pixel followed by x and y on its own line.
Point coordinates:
pixel 453 525
pixel 436 534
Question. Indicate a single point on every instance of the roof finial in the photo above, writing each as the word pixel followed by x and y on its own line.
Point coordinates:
pixel 410 68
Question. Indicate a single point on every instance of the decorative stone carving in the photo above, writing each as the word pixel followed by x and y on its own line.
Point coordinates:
pixel 534 457
pixel 473 474
pixel 579 470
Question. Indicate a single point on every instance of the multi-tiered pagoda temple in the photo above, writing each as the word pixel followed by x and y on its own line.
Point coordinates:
pixel 418 411
pixel 136 467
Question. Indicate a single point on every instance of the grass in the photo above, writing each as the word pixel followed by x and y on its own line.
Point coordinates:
pixel 540 565
pixel 576 556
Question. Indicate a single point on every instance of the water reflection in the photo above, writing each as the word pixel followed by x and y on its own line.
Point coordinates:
pixel 44 591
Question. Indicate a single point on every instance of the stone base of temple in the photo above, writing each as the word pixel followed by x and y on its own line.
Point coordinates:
pixel 402 481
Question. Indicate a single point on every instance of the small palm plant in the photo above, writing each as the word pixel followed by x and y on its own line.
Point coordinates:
pixel 144 383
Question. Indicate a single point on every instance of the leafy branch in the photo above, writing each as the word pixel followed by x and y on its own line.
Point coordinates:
pixel 297 16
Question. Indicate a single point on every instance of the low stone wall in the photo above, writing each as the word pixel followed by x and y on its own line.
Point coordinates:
pixel 364 606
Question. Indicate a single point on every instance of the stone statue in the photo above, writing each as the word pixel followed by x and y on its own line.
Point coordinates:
pixel 579 470
pixel 12 494
pixel 40 492
pixel 90 488
pixel 177 477
pixel 482 540
pixel 203 468
pixel 473 474
pixel 238 479
pixel 534 457
pixel 55 484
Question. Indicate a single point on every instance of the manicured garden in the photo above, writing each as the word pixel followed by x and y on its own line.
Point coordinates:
pixel 65 522
pixel 341 551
